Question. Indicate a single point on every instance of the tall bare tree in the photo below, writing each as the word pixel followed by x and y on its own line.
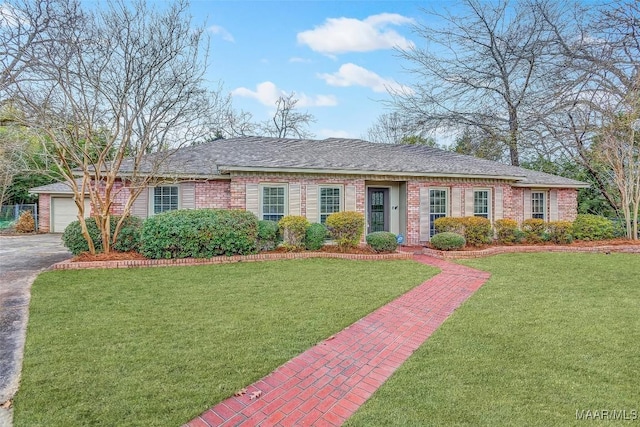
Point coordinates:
pixel 286 121
pixel 118 84
pixel 596 77
pixel 481 69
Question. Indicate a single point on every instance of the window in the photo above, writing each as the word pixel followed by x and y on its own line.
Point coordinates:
pixel 165 199
pixel 481 203
pixel 437 208
pixel 329 202
pixel 273 203
pixel 538 205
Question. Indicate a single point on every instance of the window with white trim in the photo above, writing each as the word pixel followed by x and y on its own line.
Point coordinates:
pixel 437 207
pixel 165 198
pixel 273 202
pixel 330 202
pixel 538 205
pixel 481 203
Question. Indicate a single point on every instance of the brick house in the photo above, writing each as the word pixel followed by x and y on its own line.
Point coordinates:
pixel 399 188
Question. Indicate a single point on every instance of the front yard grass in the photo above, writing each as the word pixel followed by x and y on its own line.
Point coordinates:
pixel 546 339
pixel 157 346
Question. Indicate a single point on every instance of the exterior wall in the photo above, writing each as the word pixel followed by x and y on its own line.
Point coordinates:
pixel 213 194
pixel 567 204
pixel 44 213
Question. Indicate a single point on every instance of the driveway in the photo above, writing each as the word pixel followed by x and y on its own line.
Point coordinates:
pixel 21 259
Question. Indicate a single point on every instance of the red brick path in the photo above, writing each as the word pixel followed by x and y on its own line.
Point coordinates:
pixel 326 384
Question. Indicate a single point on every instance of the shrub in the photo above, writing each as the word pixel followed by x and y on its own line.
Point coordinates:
pixel 293 229
pixel 448 241
pixel 449 224
pixel 592 227
pixel 382 241
pixel 477 230
pixel 534 230
pixel 507 231
pixel 346 228
pixel 560 232
pixel 267 235
pixel 128 238
pixel 25 223
pixel 315 236
pixel 199 233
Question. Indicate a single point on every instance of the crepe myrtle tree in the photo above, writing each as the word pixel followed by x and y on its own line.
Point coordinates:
pixel 119 88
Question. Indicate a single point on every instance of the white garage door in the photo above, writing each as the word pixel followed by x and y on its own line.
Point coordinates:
pixel 64 212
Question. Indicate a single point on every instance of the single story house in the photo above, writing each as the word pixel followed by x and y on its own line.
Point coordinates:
pixel 399 188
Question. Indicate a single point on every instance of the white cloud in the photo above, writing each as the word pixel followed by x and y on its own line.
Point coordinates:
pixel 222 32
pixel 267 93
pixel 10 17
pixel 354 75
pixel 341 35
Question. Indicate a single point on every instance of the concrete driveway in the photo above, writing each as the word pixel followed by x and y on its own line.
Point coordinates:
pixel 21 259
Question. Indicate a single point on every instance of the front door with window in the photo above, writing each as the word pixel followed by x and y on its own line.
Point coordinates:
pixel 378 209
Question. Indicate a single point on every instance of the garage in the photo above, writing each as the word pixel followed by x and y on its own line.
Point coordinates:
pixel 64 212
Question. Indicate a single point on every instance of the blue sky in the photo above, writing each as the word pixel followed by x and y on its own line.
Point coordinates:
pixel 337 56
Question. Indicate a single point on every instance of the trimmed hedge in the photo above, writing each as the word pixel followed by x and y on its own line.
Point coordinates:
pixel 448 241
pixel 534 230
pixel 476 230
pixel 267 235
pixel 507 231
pixel 293 229
pixel 128 237
pixel 592 227
pixel 199 233
pixel 346 228
pixel 382 241
pixel 560 232
pixel 315 236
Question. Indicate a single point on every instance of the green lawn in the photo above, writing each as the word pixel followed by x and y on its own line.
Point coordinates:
pixel 158 346
pixel 546 336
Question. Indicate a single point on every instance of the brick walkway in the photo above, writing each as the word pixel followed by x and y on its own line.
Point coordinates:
pixel 326 384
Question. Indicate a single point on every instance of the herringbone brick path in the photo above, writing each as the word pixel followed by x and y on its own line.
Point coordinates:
pixel 326 384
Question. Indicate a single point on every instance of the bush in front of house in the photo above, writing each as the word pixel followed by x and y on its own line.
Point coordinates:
pixel 534 230
pixel 128 238
pixel 382 241
pixel 449 224
pixel 477 230
pixel 448 241
pixel 507 231
pixel 293 229
pixel 25 223
pixel 267 235
pixel 199 233
pixel 559 232
pixel 346 228
pixel 592 227
pixel 315 236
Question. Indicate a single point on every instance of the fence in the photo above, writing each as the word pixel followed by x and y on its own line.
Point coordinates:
pixel 10 213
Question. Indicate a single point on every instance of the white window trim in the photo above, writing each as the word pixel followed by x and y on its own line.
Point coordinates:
pixel 447 191
pixel 545 208
pixel 490 201
pixel 152 198
pixel 320 187
pixel 261 187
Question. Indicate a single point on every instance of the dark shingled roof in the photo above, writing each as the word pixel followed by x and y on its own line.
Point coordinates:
pixel 335 155
pixel 341 156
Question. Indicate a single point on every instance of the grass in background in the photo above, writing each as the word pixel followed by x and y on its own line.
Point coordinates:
pixel 546 336
pixel 157 346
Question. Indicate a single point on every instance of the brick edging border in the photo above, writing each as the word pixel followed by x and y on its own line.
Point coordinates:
pixel 634 249
pixel 133 263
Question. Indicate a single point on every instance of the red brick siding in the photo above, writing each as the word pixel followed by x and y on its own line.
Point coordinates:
pixel 44 213
pixel 567 204
pixel 213 194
